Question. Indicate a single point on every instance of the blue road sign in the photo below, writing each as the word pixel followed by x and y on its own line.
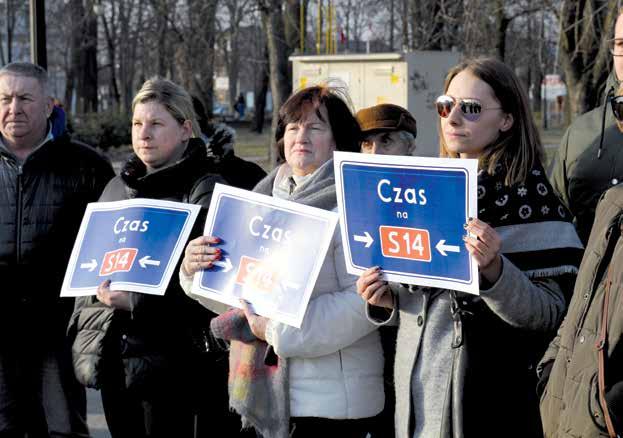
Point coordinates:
pixel 135 243
pixel 272 252
pixel 406 214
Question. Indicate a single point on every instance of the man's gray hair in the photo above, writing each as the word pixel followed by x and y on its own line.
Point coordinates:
pixel 407 138
pixel 29 70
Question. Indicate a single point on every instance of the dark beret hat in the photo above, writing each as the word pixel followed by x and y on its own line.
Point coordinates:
pixel 386 117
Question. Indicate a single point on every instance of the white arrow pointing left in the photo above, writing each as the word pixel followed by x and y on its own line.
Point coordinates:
pixel 148 261
pixel 366 238
pixel 442 248
pixel 225 264
pixel 90 266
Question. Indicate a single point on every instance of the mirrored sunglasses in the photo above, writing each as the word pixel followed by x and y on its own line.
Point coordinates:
pixel 617 107
pixel 471 109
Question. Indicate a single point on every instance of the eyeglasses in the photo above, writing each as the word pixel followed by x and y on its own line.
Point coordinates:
pixel 617 107
pixel 470 108
pixel 615 46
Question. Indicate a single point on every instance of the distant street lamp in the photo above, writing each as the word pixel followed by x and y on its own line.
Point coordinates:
pixel 38 52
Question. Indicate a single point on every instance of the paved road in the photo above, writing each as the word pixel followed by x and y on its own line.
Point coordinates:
pixel 95 415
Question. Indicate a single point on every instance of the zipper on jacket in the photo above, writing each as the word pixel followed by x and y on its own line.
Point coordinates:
pixel 18 219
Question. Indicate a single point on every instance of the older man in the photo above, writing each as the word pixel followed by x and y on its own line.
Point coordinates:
pixel 387 129
pixel 590 158
pixel 45 183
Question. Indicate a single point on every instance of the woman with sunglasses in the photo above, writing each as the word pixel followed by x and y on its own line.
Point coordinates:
pixel 465 364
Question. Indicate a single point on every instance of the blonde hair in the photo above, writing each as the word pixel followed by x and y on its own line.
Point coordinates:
pixel 173 97
pixel 517 149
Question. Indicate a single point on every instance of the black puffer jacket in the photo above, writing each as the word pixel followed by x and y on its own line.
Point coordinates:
pixel 156 340
pixel 42 201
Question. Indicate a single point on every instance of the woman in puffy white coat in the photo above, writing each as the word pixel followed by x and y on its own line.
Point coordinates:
pixel 334 361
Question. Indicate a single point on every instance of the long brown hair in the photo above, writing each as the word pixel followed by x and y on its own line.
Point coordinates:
pixel 517 149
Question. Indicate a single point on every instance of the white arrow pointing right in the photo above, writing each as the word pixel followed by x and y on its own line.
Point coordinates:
pixel 90 266
pixel 225 264
pixel 442 248
pixel 367 239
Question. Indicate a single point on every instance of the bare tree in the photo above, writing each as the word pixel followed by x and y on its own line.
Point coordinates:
pixel 82 74
pixel 280 86
pixel 237 11
pixel 130 21
pixel 13 11
pixel 583 53
pixel 261 90
pixel 111 45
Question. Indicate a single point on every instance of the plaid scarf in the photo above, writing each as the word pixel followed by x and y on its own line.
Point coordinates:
pixel 535 227
pixel 258 384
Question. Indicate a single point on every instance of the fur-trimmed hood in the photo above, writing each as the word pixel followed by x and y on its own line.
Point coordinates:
pixel 219 140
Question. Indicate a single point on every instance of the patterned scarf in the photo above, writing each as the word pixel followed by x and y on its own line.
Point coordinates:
pixel 257 383
pixel 535 227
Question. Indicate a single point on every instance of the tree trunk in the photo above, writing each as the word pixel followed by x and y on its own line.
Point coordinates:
pixel 272 18
pixel 112 58
pixel 128 47
pixel 391 25
pixel 83 70
pixel 405 25
pixel 76 10
pixel 87 75
pixel 164 58
pixel 209 35
pixel 291 25
pixel 261 90
pixel 502 25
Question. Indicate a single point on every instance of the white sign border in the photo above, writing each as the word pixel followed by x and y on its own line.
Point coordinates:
pixel 192 210
pixel 329 217
pixel 468 166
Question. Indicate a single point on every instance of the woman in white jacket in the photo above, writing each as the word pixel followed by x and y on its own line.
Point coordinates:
pixel 328 376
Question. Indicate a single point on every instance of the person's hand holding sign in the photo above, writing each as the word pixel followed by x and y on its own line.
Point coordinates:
pixel 113 298
pixel 200 254
pixel 373 289
pixel 485 248
pixel 256 323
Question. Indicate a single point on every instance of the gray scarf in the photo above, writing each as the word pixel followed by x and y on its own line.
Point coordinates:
pixel 317 190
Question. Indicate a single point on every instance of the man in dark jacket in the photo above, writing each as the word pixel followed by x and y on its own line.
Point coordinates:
pixel 45 183
pixel 589 159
